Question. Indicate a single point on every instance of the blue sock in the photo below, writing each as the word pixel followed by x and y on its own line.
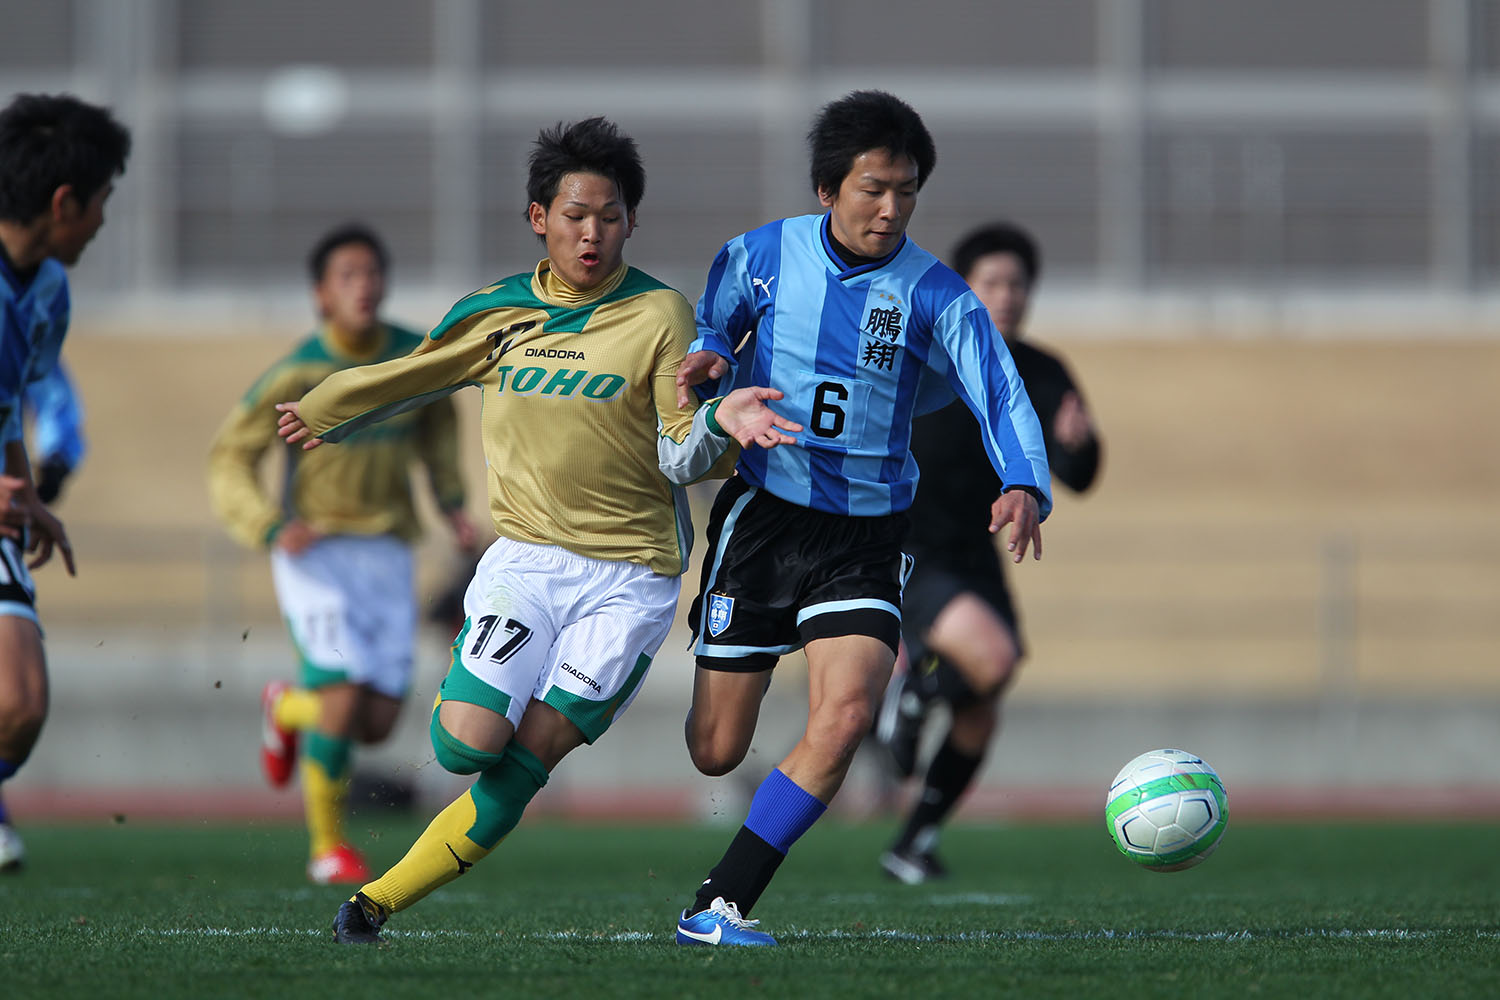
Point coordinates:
pixel 6 770
pixel 782 811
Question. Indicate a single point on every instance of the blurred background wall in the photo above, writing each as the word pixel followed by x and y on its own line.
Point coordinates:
pixel 1270 230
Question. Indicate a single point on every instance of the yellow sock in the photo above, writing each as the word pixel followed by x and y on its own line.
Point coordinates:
pixel 441 854
pixel 297 709
pixel 323 802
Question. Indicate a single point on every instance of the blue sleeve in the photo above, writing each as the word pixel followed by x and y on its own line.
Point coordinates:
pixel 57 417
pixel 726 312
pixel 982 374
pixel 25 367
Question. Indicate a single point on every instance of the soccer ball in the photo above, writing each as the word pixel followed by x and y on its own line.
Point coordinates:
pixel 1166 810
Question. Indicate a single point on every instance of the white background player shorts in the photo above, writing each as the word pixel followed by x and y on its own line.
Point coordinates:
pixel 351 608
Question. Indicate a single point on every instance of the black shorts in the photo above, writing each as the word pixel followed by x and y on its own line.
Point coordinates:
pixel 939 577
pixel 778 575
pixel 17 592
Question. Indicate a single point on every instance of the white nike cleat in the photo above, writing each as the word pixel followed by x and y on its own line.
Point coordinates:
pixel 12 851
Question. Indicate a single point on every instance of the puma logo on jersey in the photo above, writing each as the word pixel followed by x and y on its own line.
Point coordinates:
pixel 764 284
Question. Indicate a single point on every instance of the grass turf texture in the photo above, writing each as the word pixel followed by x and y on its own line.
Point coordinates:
pixel 1395 910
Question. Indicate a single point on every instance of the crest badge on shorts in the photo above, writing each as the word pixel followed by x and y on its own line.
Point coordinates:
pixel 720 609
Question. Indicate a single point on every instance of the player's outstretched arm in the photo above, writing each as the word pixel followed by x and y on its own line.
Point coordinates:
pixel 745 416
pixel 697 368
pixel 1018 508
pixel 291 428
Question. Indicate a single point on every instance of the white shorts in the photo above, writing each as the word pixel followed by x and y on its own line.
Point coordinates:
pixel 349 603
pixel 575 633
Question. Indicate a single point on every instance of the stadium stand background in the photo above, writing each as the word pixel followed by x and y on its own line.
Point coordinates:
pixel 1272 258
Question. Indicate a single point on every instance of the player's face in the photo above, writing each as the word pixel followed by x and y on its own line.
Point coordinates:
pixel 352 288
pixel 585 227
pixel 1001 282
pixel 874 202
pixel 74 223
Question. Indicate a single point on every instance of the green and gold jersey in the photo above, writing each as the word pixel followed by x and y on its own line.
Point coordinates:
pixel 363 488
pixel 580 420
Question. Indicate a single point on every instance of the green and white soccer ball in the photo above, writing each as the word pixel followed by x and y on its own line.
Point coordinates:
pixel 1166 810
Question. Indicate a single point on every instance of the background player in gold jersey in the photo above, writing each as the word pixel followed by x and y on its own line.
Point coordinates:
pixel 586 445
pixel 340 533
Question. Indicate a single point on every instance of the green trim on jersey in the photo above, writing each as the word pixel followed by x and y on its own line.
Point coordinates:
pixel 593 717
pixel 515 292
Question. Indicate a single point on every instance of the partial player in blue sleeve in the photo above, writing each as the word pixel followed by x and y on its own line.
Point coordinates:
pixel 861 329
pixel 58 160
pixel 57 440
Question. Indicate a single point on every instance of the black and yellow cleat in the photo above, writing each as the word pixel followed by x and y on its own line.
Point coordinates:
pixel 358 921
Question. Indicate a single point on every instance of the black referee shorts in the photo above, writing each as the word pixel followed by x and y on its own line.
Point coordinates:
pixel 778 575
pixel 939 577
pixel 936 580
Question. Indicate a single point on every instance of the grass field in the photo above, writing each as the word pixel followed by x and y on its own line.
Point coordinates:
pixel 1367 910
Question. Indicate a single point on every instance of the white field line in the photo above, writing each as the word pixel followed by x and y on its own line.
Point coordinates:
pixel 873 934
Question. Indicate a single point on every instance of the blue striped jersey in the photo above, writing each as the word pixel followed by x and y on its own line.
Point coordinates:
pixel 858 352
pixel 33 320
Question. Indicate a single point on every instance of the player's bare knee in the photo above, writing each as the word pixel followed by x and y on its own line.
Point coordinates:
pixel 995 675
pixel 20 725
pixel 714 758
pixel 22 710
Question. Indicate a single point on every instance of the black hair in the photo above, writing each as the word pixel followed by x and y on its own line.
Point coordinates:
pixel 998 237
pixel 47 141
pixel 342 236
pixel 860 122
pixel 591 146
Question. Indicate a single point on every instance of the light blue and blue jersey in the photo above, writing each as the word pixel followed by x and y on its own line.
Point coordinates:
pixel 858 352
pixel 33 320
pixel 56 418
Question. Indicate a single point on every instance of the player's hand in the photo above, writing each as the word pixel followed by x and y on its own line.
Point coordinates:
pixel 296 537
pixel 292 429
pixel 1072 427
pixel 747 418
pixel 46 533
pixel 697 368
pixel 1018 508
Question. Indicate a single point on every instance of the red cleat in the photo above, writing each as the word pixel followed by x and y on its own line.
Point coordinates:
pixel 278 746
pixel 343 864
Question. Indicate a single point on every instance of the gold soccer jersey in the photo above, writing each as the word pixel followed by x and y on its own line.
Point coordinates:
pixel 361 488
pixel 580 419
